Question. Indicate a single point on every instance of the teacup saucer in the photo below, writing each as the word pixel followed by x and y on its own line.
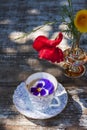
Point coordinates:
pixel 23 104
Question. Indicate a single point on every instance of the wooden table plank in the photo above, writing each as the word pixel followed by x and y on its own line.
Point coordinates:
pixel 18 60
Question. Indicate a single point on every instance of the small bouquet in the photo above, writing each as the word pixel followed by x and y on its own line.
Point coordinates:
pixel 76 24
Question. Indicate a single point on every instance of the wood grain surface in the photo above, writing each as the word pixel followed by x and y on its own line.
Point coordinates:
pixel 18 60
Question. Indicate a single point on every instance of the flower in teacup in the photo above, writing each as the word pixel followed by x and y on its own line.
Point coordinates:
pixel 80 21
pixel 42 87
pixel 48 49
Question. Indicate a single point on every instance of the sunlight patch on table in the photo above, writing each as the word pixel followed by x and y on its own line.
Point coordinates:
pixel 44 30
pixel 9 50
pixel 17 37
pixel 63 2
pixel 21 37
pixel 24 48
pixel 33 11
pixel 6 21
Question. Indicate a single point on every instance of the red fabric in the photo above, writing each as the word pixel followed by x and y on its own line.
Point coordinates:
pixel 47 48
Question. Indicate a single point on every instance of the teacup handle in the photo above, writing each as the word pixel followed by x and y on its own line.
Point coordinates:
pixel 57 102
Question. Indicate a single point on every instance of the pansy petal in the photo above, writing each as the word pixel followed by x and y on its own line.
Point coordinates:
pixel 51 90
pixel 36 93
pixel 52 54
pixel 39 85
pixel 48 85
pixel 42 41
pixel 43 92
pixel 32 89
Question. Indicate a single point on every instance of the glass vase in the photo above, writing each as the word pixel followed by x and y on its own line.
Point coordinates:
pixel 74 60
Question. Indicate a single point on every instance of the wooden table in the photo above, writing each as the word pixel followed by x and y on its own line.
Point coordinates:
pixel 18 60
pixel 73 117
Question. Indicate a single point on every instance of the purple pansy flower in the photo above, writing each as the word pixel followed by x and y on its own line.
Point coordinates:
pixel 42 87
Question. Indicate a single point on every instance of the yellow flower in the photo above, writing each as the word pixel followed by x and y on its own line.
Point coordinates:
pixel 80 21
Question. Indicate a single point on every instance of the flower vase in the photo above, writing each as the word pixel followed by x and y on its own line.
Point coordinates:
pixel 74 59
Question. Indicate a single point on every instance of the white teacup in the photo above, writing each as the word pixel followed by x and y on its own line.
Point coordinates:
pixel 41 102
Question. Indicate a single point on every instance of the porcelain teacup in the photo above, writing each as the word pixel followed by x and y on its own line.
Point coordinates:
pixel 41 87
